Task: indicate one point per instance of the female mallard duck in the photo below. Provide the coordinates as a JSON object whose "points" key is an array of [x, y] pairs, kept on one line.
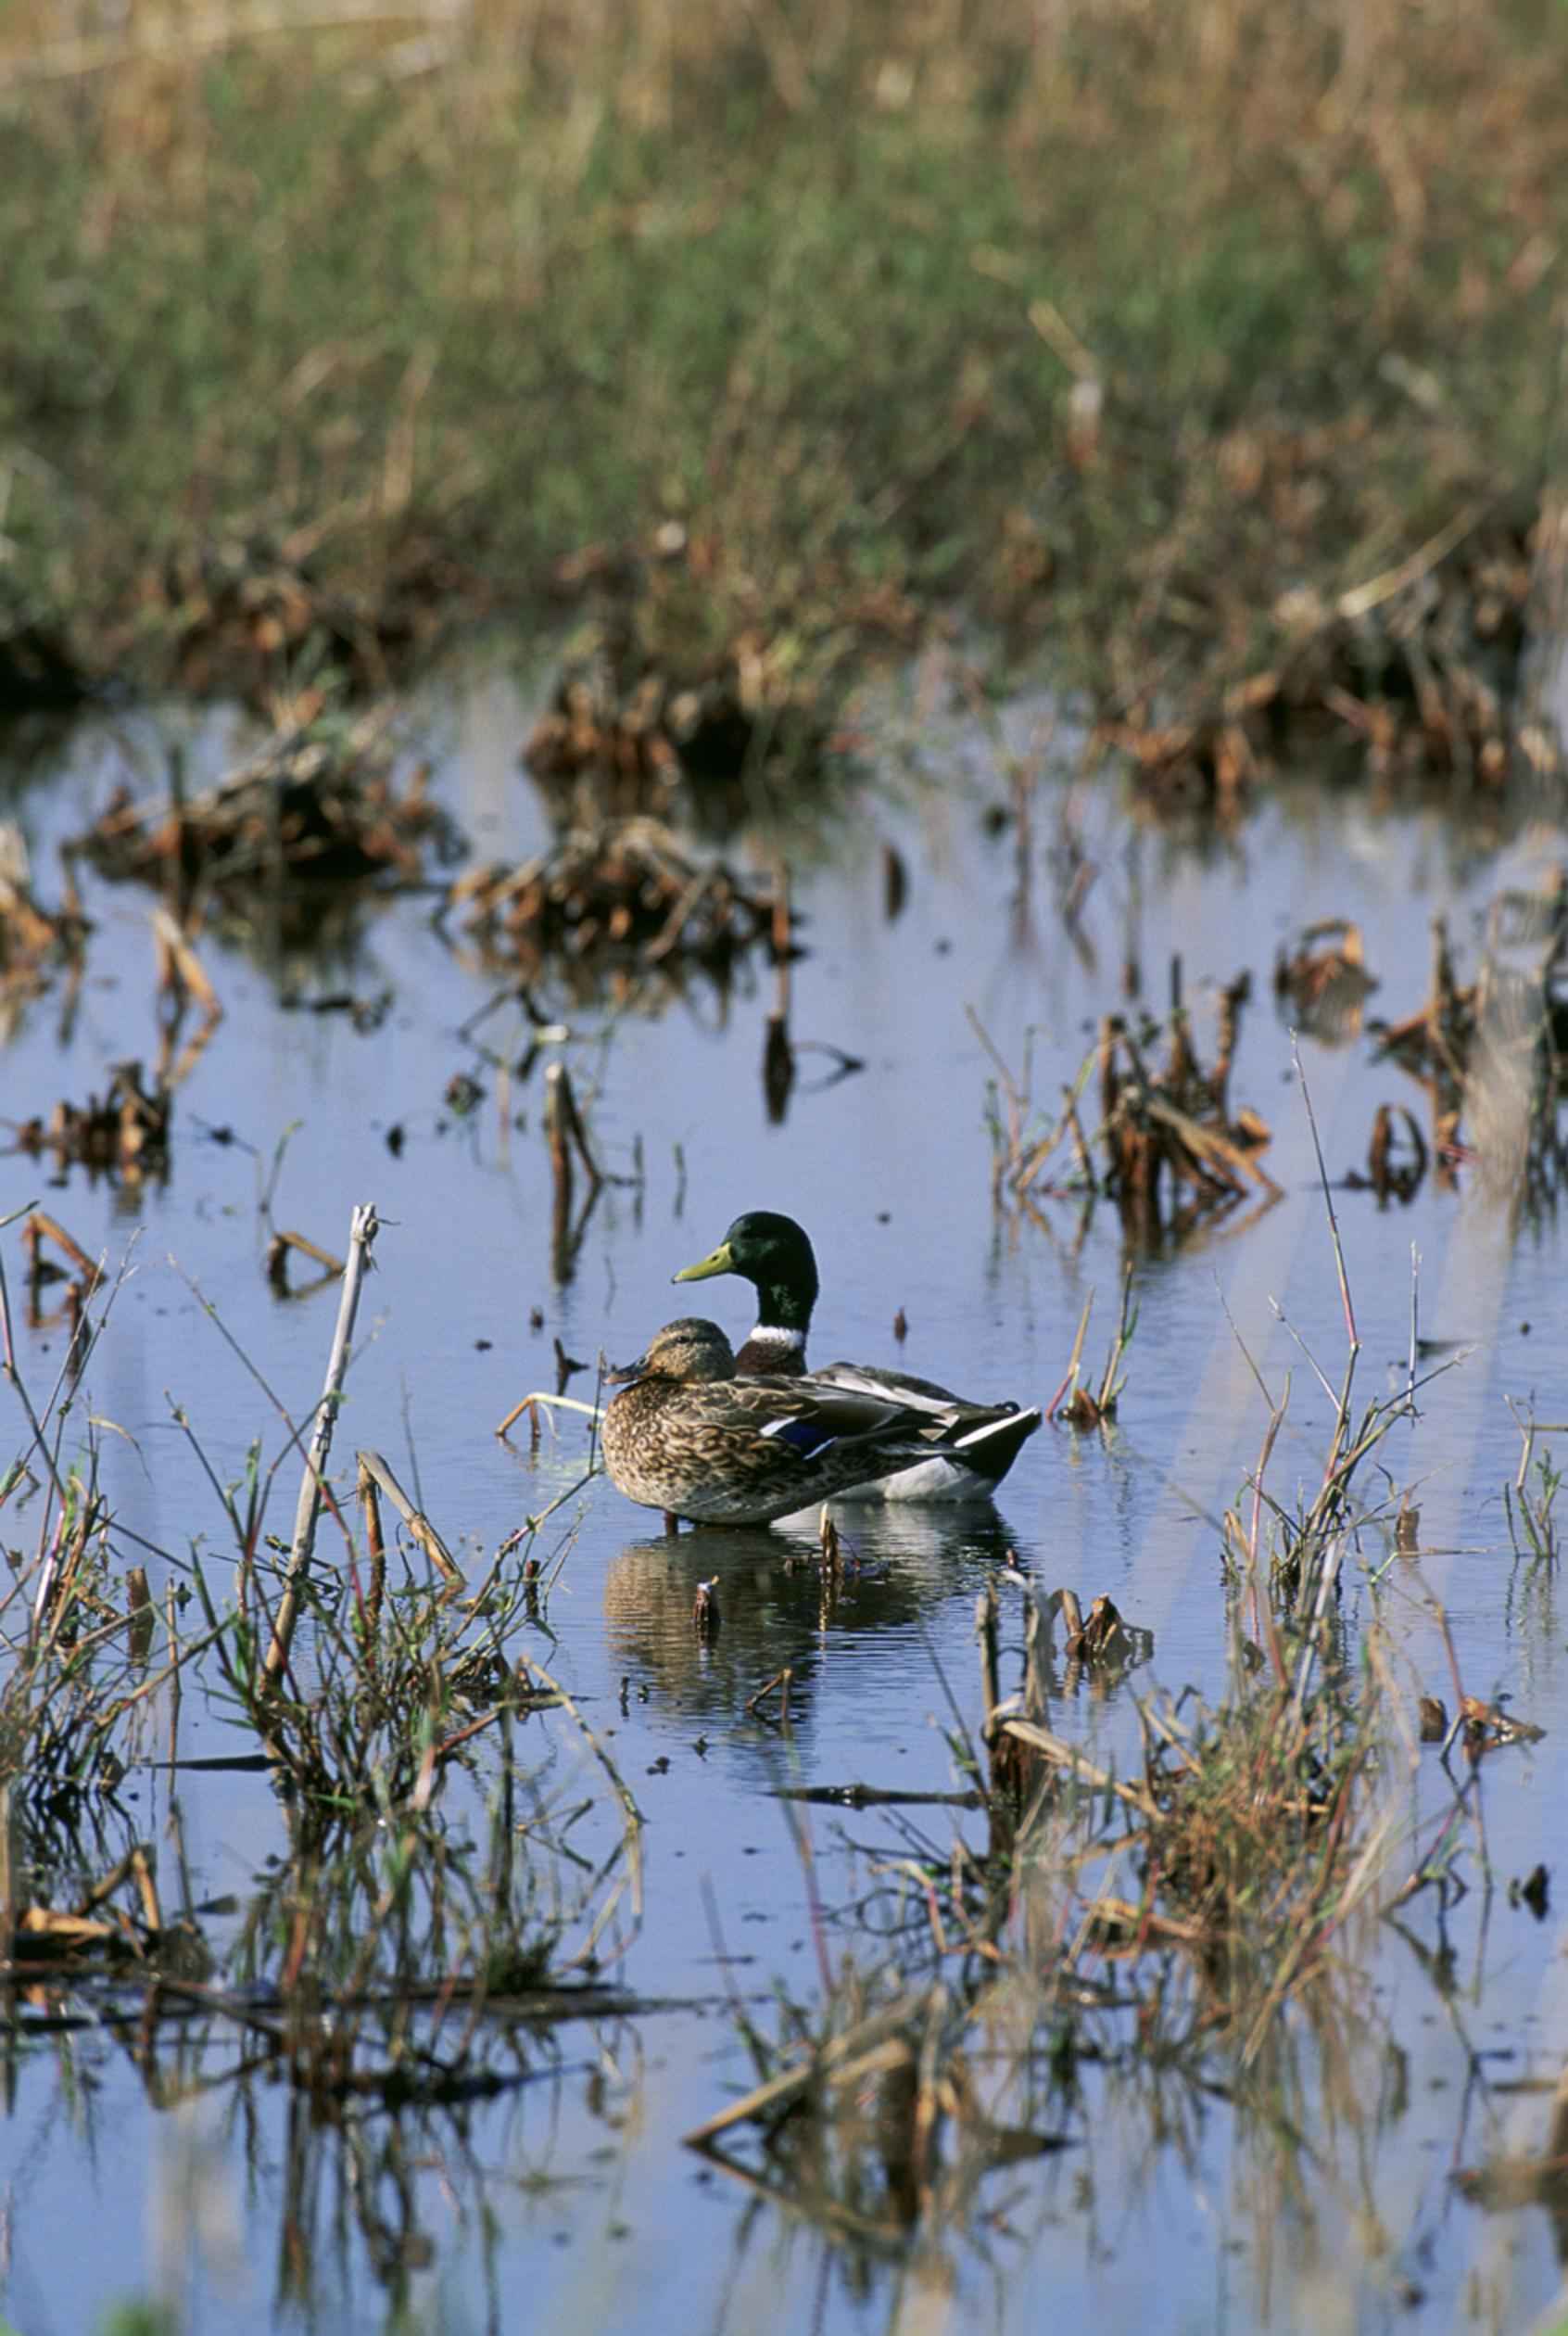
{"points": [[686, 1436], [980, 1440]]}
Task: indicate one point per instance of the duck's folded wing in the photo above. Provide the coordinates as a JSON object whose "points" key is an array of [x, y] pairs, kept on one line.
{"points": [[916, 1395], [813, 1412]]}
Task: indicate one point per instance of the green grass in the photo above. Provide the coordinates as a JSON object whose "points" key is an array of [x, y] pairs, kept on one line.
{"points": [[791, 297]]}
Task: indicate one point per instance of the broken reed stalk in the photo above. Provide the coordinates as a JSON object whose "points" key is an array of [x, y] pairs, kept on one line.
{"points": [[375, 1470], [838, 2060], [1077, 1765], [1015, 1769], [1127, 1322], [558, 1137], [1074, 1360], [363, 1227], [40, 1226], [140, 1614], [564, 1123], [375, 1544], [59, 1395], [172, 1631], [566, 1134], [180, 970], [554, 1402], [778, 1055], [987, 1622], [278, 1249], [782, 1681], [780, 940], [1037, 1656]]}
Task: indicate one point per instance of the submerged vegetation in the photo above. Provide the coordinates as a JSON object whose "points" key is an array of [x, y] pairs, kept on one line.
{"points": [[624, 904], [311, 815], [1216, 348], [402, 1951]]}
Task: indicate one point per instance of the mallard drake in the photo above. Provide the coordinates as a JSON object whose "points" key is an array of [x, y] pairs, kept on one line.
{"points": [[686, 1436], [980, 1440]]}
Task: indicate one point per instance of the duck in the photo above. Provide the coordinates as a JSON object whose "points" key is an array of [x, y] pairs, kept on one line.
{"points": [[979, 1441], [687, 1436]]}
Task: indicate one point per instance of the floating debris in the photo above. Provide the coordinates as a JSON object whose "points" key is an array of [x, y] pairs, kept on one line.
{"points": [[1100, 1643], [316, 808], [1324, 980], [126, 1134], [1486, 1727], [1534, 1891], [1397, 1163], [1170, 1126], [623, 896], [95, 1925]]}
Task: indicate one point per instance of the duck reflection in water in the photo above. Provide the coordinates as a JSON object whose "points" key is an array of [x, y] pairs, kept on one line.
{"points": [[779, 1601]]}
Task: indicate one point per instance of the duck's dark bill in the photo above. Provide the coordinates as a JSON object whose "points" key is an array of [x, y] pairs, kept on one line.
{"points": [[621, 1374], [705, 1268]]}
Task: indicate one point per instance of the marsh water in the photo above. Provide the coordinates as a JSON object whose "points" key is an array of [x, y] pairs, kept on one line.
{"points": [[567, 2198]]}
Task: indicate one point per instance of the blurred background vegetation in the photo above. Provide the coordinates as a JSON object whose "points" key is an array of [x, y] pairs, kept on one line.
{"points": [[1114, 323]]}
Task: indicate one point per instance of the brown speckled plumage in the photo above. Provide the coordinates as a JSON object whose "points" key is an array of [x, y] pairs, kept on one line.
{"points": [[687, 1437]]}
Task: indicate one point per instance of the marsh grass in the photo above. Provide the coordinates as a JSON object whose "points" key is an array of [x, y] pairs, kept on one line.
{"points": [[1124, 323], [450, 1886], [1134, 1946], [1530, 1502], [1097, 1947]]}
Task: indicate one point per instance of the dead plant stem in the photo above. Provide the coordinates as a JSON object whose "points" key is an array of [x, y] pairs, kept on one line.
{"points": [[363, 1227]]}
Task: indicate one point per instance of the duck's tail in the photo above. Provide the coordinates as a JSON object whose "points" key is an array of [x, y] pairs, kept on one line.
{"points": [[990, 1447], [967, 1464]]}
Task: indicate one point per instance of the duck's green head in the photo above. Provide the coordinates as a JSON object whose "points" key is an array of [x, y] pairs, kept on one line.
{"points": [[690, 1349], [772, 1253]]}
